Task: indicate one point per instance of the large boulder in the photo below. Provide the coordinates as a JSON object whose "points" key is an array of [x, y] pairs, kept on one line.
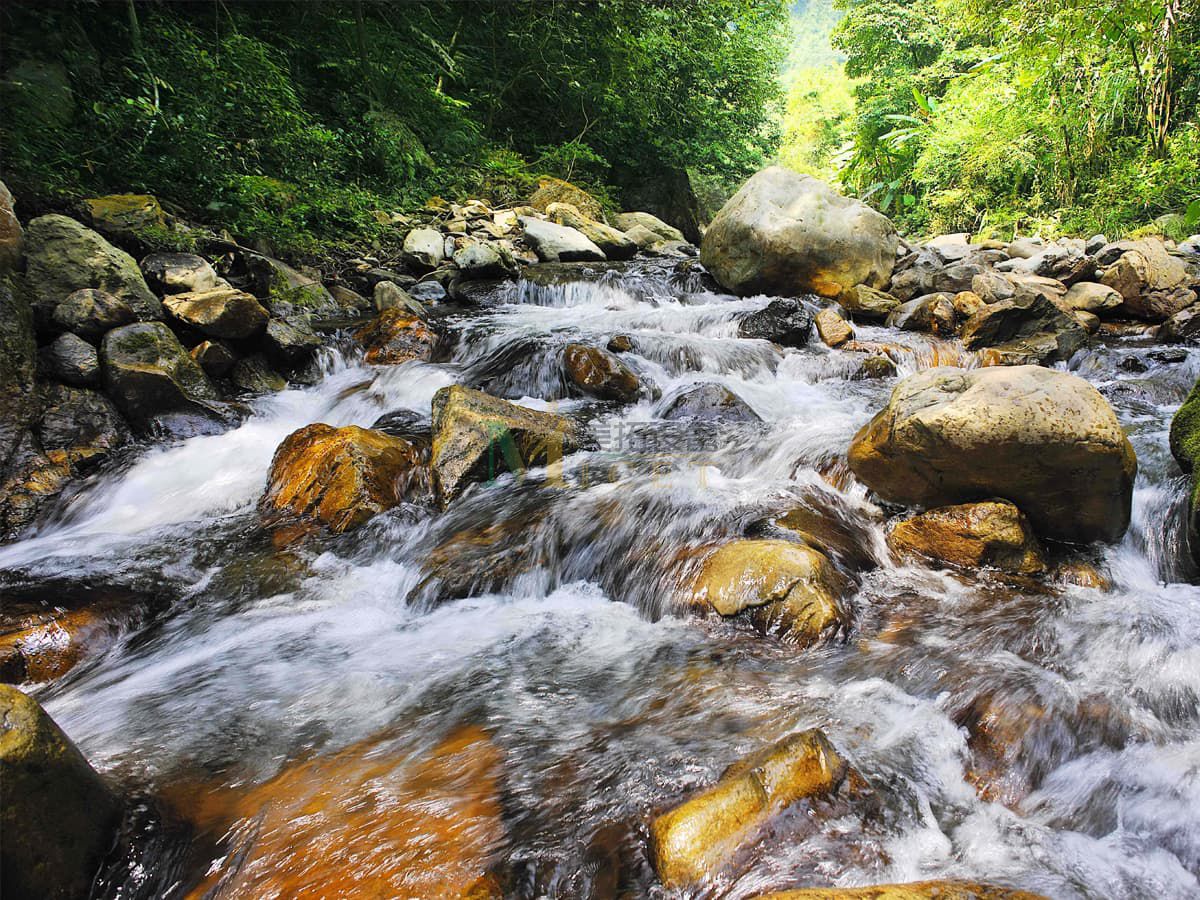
{"points": [[614, 244], [600, 374], [339, 477], [79, 427], [787, 322], [92, 313], [1152, 282], [153, 380], [58, 816], [179, 273], [63, 256], [1089, 296], [786, 233], [708, 402], [555, 190], [1185, 447], [971, 536], [1042, 439], [125, 215], [480, 259], [424, 248], [219, 313], [698, 838], [477, 437], [395, 336], [287, 291], [790, 589], [1022, 319], [628, 221], [559, 243]]}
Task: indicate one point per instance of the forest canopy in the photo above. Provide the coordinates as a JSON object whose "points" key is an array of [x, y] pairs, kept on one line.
{"points": [[293, 121]]}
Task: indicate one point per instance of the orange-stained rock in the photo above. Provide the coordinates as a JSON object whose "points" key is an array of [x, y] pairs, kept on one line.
{"points": [[1082, 574], [697, 838], [361, 823], [971, 536], [340, 477], [42, 646], [599, 373], [915, 890], [395, 336]]}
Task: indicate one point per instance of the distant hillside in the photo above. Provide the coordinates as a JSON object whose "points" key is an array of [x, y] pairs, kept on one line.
{"points": [[812, 23]]}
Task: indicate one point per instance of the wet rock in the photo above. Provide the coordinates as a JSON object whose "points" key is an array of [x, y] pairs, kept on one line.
{"points": [[216, 358], [148, 374], [698, 838], [791, 589], [180, 273], [58, 816], [255, 376], [428, 292], [476, 437], [877, 365], [339, 477], [28, 482], [71, 360], [629, 221], [992, 534], [12, 235], [1044, 440], [63, 256], [1183, 327], [786, 233], [40, 645], [1150, 280], [1024, 319], [1091, 297], [913, 890], [613, 243], [620, 343], [405, 423], [833, 329], [827, 526], [125, 214], [424, 248], [78, 427], [221, 313], [92, 313], [708, 402], [484, 260], [555, 190], [1185, 447], [364, 822], [286, 291], [558, 243], [290, 342], [1081, 573], [786, 322], [395, 337], [867, 303], [600, 374], [931, 313]]}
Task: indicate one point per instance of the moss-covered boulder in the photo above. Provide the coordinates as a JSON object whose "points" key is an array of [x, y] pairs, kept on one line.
{"points": [[339, 478], [57, 816], [63, 256], [699, 837], [150, 377], [126, 214], [477, 437], [1185, 447], [787, 588], [555, 190]]}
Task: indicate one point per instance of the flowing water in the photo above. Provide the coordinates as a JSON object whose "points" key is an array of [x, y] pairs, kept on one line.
{"points": [[548, 611]]}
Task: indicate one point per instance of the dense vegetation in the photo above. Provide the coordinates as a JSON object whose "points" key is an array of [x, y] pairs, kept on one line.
{"points": [[294, 122], [1005, 115]]}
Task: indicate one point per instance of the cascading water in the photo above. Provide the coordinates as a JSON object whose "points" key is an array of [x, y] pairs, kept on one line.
{"points": [[548, 612]]}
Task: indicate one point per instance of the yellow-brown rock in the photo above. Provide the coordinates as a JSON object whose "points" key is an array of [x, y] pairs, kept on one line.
{"points": [[833, 329], [42, 646], [971, 536], [339, 477], [600, 374], [363, 824], [790, 589], [697, 838], [395, 336], [915, 890], [967, 303], [555, 190], [1082, 574], [125, 213]]}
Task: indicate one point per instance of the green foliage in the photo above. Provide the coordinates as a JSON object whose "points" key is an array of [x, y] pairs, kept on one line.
{"points": [[294, 122]]}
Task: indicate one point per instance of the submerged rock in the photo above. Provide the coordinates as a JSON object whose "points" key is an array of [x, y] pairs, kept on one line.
{"points": [[477, 437], [699, 837], [58, 816], [339, 477], [1044, 440], [785, 322], [913, 890], [395, 336], [148, 374], [708, 402], [63, 256], [600, 374], [971, 536], [792, 589], [784, 233]]}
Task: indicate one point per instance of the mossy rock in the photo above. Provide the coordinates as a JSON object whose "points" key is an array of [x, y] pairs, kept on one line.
{"points": [[126, 214], [1185, 447]]}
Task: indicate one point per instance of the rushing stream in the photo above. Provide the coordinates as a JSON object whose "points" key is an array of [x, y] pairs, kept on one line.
{"points": [[548, 611]]}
